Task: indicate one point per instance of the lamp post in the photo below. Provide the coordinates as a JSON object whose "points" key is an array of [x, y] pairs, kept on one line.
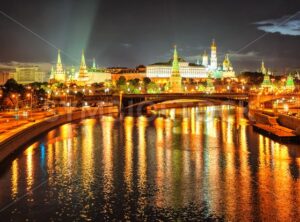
{"points": [[120, 104], [29, 96]]}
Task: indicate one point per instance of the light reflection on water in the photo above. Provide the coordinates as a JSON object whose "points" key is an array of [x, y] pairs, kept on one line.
{"points": [[185, 163]]}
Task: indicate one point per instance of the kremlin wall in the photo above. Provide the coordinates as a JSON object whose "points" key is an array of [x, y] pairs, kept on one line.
{"points": [[160, 71]]}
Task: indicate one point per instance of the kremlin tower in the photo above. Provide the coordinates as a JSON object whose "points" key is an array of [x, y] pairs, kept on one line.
{"points": [[290, 84], [83, 72], [175, 78], [266, 84], [58, 74]]}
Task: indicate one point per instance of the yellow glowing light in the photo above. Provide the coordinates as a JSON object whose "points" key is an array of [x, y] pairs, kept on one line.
{"points": [[14, 179], [286, 107]]}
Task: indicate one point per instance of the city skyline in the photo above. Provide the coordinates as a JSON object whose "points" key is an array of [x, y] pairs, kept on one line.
{"points": [[134, 34]]}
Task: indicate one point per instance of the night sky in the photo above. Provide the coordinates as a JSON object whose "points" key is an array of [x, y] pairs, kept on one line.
{"points": [[133, 32]]}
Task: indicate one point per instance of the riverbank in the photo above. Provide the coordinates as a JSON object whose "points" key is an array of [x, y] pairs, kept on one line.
{"points": [[13, 139], [279, 127]]}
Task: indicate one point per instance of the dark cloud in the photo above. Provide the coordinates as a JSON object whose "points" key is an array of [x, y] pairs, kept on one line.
{"points": [[287, 25]]}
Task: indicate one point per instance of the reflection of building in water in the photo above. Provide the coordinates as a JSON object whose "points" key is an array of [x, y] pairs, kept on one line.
{"points": [[88, 132], [128, 125], [30, 167], [160, 159], [14, 179], [107, 158], [142, 164]]}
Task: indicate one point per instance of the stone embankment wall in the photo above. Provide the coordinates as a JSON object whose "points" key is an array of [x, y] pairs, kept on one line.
{"points": [[290, 122], [265, 119]]}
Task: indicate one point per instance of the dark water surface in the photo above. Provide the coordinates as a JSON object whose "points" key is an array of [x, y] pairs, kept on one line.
{"points": [[185, 164]]}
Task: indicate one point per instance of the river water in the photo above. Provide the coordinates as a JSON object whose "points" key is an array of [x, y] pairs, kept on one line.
{"points": [[200, 163]]}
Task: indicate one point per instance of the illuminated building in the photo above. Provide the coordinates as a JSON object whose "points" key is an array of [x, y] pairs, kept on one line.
{"points": [[5, 75], [210, 84], [205, 59], [227, 71], [28, 74], [161, 72], [213, 56], [98, 75], [137, 73], [71, 73], [290, 85], [266, 84], [83, 75], [175, 78], [58, 74]]}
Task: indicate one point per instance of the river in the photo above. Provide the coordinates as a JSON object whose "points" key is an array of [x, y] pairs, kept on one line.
{"points": [[199, 163]]}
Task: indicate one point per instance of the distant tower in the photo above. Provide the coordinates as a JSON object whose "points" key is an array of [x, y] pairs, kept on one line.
{"points": [[227, 64], [59, 73], [266, 84], [205, 59], [290, 84], [213, 56], [94, 64], [263, 68], [175, 78], [51, 73], [209, 84], [83, 72]]}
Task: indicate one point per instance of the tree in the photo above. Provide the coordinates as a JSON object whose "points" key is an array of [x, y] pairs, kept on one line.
{"points": [[121, 81], [146, 81], [134, 82], [153, 88]]}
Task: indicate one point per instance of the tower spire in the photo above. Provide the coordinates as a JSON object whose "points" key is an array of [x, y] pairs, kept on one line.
{"points": [[175, 64], [83, 73], [58, 58], [213, 56], [213, 43], [263, 68], [94, 63], [82, 64]]}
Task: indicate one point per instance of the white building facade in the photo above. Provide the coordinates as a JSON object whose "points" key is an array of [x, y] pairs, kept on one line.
{"points": [[191, 70], [186, 70]]}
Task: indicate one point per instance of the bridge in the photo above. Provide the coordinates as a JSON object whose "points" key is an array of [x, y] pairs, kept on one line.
{"points": [[141, 101], [256, 100]]}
